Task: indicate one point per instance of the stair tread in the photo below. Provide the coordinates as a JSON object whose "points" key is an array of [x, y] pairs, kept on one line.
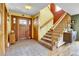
{"points": [[46, 43], [51, 29], [55, 37], [45, 38], [59, 29], [57, 34], [48, 35], [49, 32]]}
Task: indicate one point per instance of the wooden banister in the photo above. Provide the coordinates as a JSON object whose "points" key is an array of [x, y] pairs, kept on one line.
{"points": [[60, 19]]}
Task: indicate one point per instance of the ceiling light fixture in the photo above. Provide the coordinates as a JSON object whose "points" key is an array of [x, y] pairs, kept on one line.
{"points": [[28, 7]]}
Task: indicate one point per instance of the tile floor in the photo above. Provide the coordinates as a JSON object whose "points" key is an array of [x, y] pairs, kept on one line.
{"points": [[32, 48], [27, 48]]}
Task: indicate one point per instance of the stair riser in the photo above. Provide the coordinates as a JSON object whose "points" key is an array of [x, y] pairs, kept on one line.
{"points": [[48, 41], [48, 37], [47, 46], [59, 29], [55, 34], [58, 32], [48, 33], [55, 39]]}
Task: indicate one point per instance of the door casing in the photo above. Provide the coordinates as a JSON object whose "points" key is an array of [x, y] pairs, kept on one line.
{"points": [[16, 27]]}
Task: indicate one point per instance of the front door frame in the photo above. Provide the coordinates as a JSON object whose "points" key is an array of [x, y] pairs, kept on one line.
{"points": [[17, 25]]}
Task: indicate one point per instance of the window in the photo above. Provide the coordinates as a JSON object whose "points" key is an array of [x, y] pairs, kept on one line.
{"points": [[23, 22]]}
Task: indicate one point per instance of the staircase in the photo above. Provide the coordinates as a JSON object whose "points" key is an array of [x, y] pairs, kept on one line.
{"points": [[51, 37], [46, 40]]}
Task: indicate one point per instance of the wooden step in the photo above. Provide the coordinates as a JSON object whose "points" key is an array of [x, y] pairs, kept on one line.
{"points": [[58, 32], [49, 33], [60, 26], [59, 29], [46, 44], [48, 36], [55, 34], [55, 38], [51, 29], [47, 39]]}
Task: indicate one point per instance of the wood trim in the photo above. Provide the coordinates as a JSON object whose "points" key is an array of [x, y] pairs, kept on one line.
{"points": [[17, 18], [1, 8], [20, 17], [31, 29], [5, 26], [36, 28], [45, 23], [1, 19], [19, 14], [2, 43]]}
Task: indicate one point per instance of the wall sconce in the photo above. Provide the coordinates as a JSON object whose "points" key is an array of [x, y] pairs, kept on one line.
{"points": [[73, 21], [14, 20]]}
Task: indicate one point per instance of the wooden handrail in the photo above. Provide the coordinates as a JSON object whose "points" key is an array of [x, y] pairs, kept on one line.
{"points": [[45, 23], [60, 19]]}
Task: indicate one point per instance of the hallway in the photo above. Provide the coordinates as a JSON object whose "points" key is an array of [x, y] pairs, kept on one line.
{"points": [[44, 24], [32, 48], [27, 48]]}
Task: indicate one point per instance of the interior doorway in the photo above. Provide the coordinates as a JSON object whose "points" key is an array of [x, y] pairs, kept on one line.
{"points": [[21, 27], [24, 29]]}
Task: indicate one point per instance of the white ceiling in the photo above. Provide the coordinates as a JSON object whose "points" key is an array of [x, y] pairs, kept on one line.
{"points": [[71, 8], [20, 7]]}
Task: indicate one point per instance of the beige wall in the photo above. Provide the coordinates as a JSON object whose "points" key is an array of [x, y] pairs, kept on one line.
{"points": [[45, 16], [46, 28]]}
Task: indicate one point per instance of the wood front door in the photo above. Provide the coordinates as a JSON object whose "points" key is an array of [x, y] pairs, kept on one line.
{"points": [[23, 29]]}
